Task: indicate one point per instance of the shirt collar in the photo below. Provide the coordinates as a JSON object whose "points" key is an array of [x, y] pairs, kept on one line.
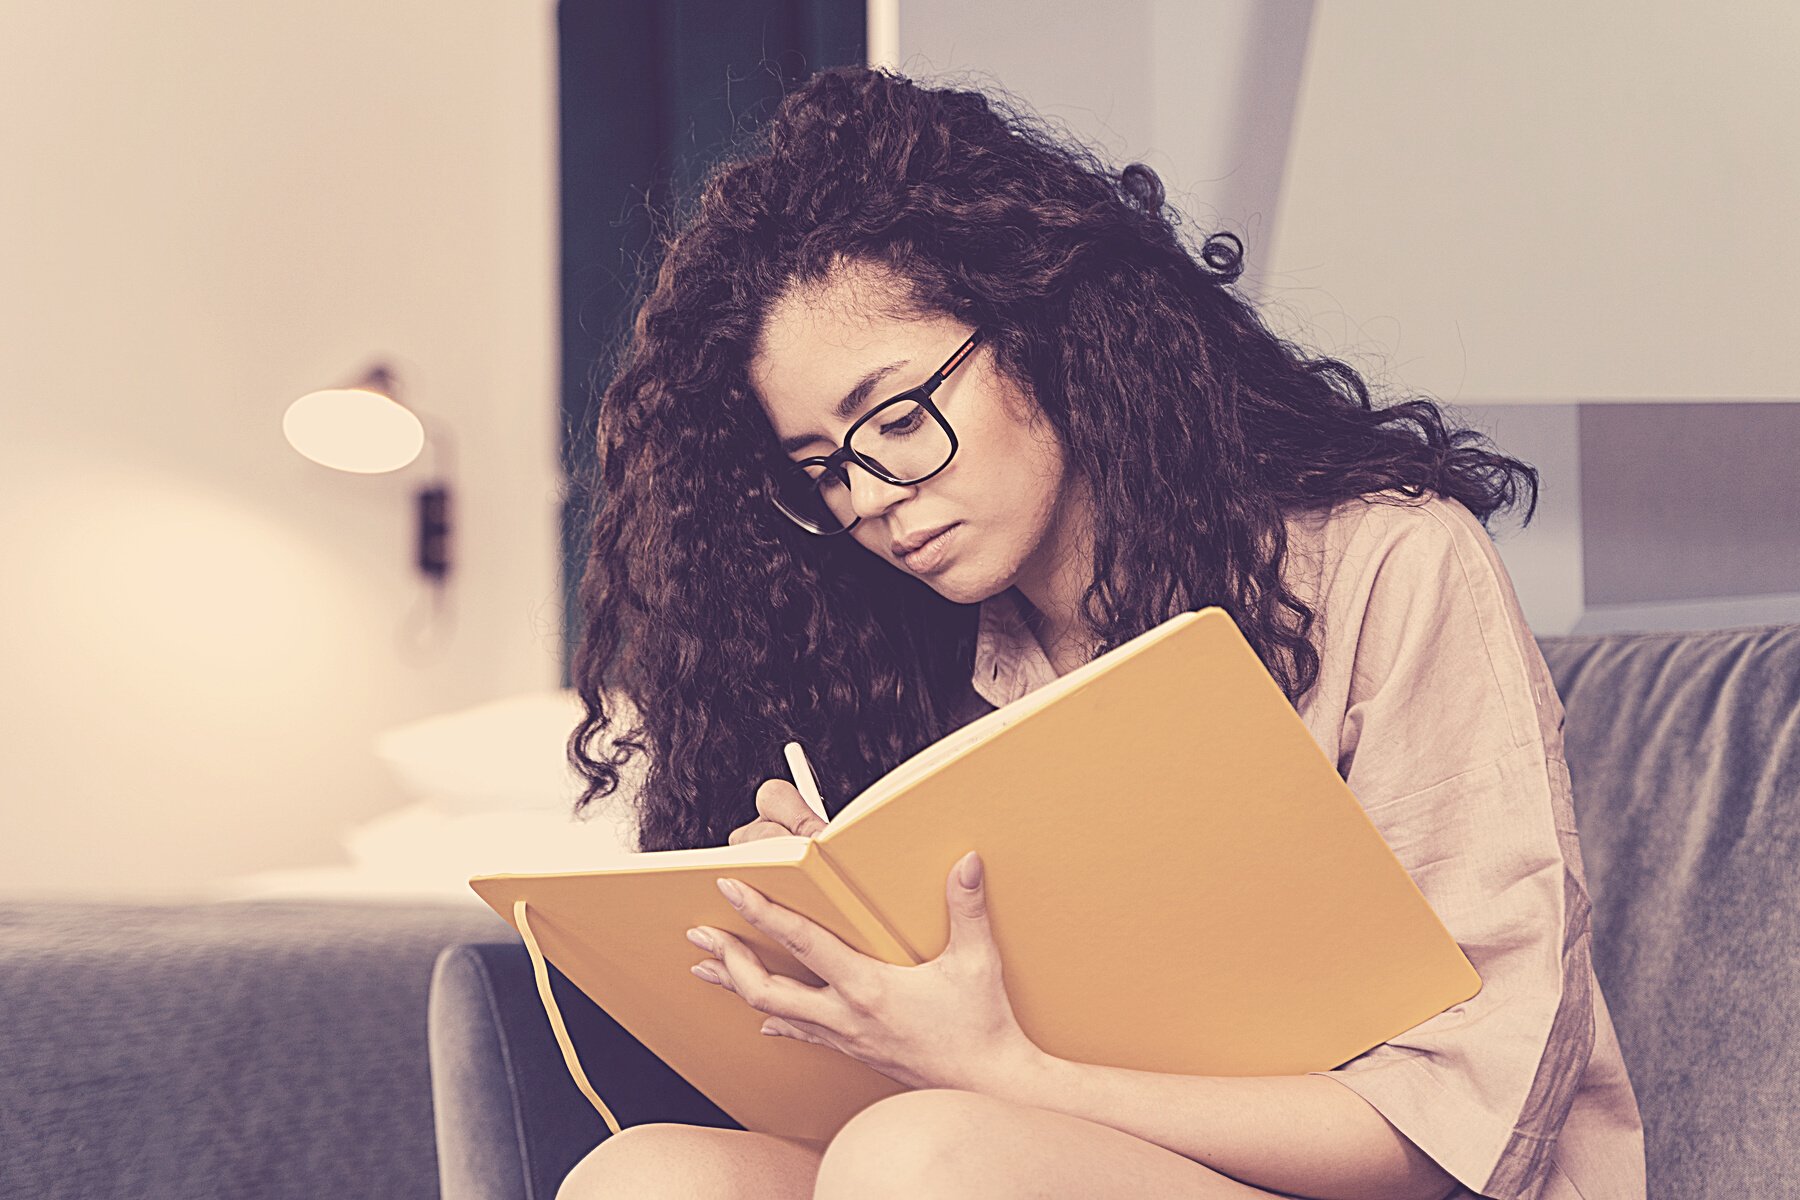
{"points": [[1009, 660]]}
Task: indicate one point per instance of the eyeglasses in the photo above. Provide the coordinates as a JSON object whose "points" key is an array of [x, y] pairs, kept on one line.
{"points": [[904, 441]]}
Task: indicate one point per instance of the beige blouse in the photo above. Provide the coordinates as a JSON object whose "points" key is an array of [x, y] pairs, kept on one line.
{"points": [[1438, 708]]}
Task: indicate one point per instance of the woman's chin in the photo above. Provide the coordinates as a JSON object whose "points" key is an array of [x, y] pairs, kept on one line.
{"points": [[948, 585]]}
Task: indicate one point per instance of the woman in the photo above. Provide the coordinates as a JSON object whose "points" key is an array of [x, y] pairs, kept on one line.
{"points": [[927, 408]]}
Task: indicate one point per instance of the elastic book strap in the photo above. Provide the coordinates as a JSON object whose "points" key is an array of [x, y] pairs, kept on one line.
{"points": [[542, 972]]}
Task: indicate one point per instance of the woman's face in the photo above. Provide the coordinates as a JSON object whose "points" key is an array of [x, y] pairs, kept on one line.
{"points": [[1003, 493]]}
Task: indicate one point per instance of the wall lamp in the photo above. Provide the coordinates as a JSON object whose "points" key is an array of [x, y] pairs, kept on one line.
{"points": [[367, 429]]}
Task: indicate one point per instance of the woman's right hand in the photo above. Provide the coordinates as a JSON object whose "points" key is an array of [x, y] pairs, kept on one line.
{"points": [[783, 813]]}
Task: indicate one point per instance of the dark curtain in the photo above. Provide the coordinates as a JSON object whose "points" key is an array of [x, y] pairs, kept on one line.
{"points": [[651, 94]]}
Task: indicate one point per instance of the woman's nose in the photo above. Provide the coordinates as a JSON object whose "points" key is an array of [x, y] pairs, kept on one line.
{"points": [[870, 494]]}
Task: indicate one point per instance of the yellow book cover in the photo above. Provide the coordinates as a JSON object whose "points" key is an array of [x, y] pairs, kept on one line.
{"points": [[1177, 877]]}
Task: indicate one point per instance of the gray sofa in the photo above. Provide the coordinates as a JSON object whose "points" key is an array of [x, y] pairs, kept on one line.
{"points": [[1685, 753], [256, 1050]]}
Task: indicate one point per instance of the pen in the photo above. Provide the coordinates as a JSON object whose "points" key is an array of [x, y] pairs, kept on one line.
{"points": [[803, 779]]}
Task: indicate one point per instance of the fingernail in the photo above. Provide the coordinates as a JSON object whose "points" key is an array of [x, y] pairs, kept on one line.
{"points": [[701, 939], [705, 971], [971, 870], [732, 893]]}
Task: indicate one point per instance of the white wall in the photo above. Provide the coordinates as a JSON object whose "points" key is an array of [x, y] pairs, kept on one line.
{"points": [[210, 209], [1550, 202], [1076, 63]]}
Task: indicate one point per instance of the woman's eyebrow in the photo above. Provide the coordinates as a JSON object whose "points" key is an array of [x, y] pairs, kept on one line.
{"points": [[853, 400]]}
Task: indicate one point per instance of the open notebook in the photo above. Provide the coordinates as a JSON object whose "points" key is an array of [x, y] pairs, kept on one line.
{"points": [[1177, 877]]}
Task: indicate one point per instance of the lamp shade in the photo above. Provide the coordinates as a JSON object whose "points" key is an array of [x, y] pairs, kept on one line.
{"points": [[354, 429]]}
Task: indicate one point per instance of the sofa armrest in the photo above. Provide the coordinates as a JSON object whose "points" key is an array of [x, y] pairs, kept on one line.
{"points": [[510, 1121]]}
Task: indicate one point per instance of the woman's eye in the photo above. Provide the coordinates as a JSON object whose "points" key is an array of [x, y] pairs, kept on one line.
{"points": [[906, 424], [826, 479]]}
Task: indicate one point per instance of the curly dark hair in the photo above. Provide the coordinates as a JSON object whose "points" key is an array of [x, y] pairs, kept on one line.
{"points": [[730, 631]]}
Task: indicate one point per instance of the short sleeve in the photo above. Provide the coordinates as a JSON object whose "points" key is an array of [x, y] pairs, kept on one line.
{"points": [[1451, 744]]}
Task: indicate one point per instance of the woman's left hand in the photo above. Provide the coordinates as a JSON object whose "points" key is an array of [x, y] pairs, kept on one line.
{"points": [[944, 1023]]}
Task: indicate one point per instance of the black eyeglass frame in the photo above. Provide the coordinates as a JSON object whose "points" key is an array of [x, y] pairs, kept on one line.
{"points": [[844, 455]]}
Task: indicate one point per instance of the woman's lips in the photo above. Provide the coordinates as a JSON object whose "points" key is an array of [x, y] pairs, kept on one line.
{"points": [[932, 554]]}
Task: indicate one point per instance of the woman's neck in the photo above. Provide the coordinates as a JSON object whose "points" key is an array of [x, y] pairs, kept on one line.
{"points": [[1066, 649], [1053, 592]]}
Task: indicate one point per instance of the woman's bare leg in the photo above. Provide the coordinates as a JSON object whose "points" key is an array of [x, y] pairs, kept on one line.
{"points": [[935, 1142], [689, 1162], [950, 1144]]}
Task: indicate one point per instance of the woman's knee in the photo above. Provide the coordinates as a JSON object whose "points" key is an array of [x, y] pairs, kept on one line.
{"points": [[641, 1160], [672, 1159], [909, 1144]]}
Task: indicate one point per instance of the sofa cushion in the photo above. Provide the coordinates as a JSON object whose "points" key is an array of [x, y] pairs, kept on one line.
{"points": [[1684, 749], [263, 1050]]}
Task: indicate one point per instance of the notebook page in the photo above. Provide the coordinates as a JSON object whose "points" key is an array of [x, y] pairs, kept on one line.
{"points": [[988, 724], [773, 851]]}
